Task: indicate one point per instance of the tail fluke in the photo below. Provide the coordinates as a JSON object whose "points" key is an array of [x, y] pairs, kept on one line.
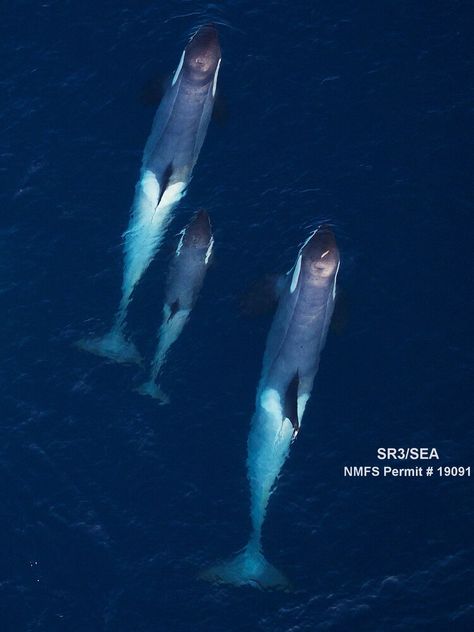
{"points": [[248, 568], [152, 389], [114, 346]]}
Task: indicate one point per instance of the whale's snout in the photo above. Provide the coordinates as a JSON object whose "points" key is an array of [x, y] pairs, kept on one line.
{"points": [[320, 255], [203, 54], [199, 232]]}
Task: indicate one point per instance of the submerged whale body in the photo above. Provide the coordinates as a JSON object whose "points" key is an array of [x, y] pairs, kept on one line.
{"points": [[186, 276], [172, 149], [291, 360]]}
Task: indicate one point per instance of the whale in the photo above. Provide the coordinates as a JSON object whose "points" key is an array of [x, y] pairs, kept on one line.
{"points": [[170, 154], [187, 270], [290, 364]]}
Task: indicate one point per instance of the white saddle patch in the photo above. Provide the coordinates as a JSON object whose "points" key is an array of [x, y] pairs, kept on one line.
{"points": [[301, 405], [270, 401], [150, 187], [173, 194]]}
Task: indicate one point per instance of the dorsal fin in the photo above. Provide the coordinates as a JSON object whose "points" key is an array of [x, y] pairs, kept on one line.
{"points": [[290, 410], [165, 180], [174, 307]]}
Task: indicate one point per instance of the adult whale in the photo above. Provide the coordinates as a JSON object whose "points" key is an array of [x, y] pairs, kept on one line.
{"points": [[290, 364], [170, 154], [186, 276]]}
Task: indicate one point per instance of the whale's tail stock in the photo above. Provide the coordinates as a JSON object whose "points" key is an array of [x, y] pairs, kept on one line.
{"points": [[248, 568], [152, 389]]}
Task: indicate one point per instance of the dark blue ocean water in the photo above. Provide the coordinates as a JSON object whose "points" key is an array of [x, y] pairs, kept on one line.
{"points": [[358, 113]]}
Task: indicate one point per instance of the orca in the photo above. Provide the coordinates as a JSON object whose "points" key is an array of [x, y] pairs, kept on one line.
{"points": [[290, 364], [172, 149], [186, 276]]}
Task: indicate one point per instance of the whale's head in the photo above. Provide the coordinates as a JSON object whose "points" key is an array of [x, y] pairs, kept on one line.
{"points": [[198, 233], [202, 56], [320, 257]]}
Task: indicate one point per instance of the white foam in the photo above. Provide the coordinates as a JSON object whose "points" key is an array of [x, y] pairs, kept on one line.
{"points": [[296, 275], [181, 241], [309, 239], [209, 251], [178, 69], [335, 280], [214, 84]]}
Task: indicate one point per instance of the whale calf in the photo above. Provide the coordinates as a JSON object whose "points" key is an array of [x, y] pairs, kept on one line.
{"points": [[291, 360], [172, 149], [186, 276]]}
